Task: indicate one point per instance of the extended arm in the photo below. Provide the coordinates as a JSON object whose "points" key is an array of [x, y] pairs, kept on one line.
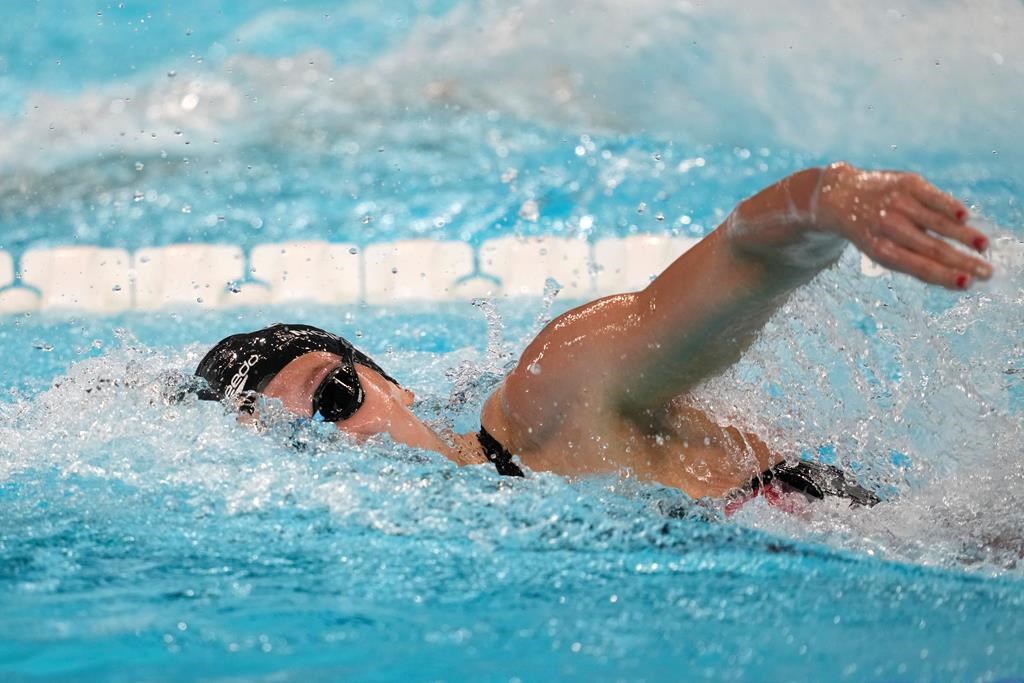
{"points": [[632, 353]]}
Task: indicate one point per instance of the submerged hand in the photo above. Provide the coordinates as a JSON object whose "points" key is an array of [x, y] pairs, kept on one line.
{"points": [[902, 222]]}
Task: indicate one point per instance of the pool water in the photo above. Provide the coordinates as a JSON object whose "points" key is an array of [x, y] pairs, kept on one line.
{"points": [[147, 539]]}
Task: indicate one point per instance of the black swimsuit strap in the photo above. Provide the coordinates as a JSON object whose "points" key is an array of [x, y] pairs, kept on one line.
{"points": [[498, 455], [817, 480]]}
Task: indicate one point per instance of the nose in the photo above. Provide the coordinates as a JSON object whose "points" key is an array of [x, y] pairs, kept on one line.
{"points": [[407, 397]]}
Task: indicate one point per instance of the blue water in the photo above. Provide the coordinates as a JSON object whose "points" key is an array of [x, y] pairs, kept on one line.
{"points": [[142, 539]]}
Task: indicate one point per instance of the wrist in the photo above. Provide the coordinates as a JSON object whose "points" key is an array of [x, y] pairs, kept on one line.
{"points": [[791, 223], [828, 195]]}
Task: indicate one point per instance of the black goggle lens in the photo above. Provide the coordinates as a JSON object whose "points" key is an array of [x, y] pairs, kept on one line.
{"points": [[339, 396]]}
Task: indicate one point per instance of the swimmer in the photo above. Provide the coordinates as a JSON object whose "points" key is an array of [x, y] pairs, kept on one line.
{"points": [[604, 387]]}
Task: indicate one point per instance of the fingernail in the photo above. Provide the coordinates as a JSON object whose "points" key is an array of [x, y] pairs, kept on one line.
{"points": [[980, 243], [961, 214], [983, 270], [961, 281]]}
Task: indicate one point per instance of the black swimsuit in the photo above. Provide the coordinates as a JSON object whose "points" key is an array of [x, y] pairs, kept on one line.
{"points": [[813, 479], [498, 455]]}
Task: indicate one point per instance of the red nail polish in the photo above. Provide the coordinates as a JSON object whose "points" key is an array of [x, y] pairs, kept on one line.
{"points": [[961, 215], [980, 243], [961, 281]]}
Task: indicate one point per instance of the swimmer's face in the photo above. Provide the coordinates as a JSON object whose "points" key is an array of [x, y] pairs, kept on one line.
{"points": [[385, 407]]}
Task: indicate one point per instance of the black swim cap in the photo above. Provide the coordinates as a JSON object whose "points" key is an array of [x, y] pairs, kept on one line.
{"points": [[245, 363]]}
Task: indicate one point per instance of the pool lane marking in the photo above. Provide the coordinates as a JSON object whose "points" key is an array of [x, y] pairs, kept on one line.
{"points": [[213, 276]]}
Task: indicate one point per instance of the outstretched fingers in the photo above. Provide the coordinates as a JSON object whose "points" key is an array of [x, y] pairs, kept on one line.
{"points": [[894, 256], [927, 217], [909, 234]]}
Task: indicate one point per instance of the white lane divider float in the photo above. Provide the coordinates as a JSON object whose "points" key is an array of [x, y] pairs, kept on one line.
{"points": [[212, 276]]}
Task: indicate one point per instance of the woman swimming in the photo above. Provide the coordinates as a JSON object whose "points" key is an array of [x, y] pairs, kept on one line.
{"points": [[604, 387]]}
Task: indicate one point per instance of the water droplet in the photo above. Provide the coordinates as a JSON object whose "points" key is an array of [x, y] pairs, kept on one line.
{"points": [[234, 287], [172, 73], [186, 209], [367, 219], [42, 346], [657, 156], [353, 251], [116, 288], [529, 211], [534, 369], [641, 207], [138, 196], [394, 270], [659, 216], [139, 166]]}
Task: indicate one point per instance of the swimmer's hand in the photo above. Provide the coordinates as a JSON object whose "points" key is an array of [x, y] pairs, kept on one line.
{"points": [[900, 220]]}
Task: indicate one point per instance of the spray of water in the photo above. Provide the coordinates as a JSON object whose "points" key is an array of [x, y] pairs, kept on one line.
{"points": [[725, 72], [914, 389]]}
